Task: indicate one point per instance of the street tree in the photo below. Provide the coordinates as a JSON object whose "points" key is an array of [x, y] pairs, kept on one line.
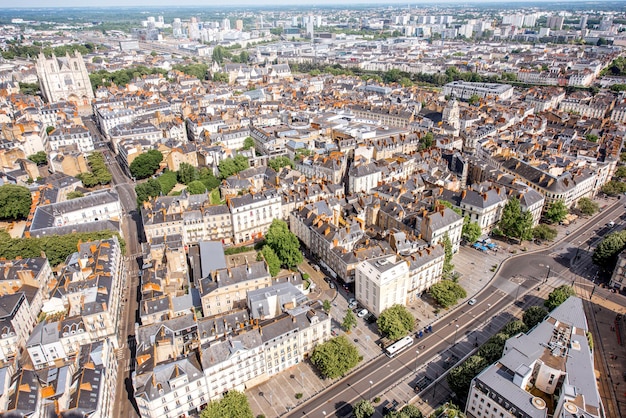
{"points": [[411, 411], [446, 293], [471, 230], [587, 206], [448, 267], [326, 306], [556, 212], [284, 243], [544, 232], [363, 409], [335, 357], [534, 315], [514, 222], [196, 187], [208, 178], [349, 321], [620, 172], [15, 202], [613, 188], [233, 405], [395, 322], [605, 254], [146, 164], [187, 173], [99, 168], [426, 141], [273, 263], [460, 378], [558, 296]]}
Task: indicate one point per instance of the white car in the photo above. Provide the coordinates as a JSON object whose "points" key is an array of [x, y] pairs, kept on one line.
{"points": [[471, 301], [352, 305], [362, 313]]}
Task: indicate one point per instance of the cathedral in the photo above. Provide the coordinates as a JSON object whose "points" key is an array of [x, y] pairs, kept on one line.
{"points": [[65, 78]]}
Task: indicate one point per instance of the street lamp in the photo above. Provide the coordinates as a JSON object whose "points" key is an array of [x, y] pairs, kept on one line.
{"points": [[370, 394], [455, 332], [417, 353]]}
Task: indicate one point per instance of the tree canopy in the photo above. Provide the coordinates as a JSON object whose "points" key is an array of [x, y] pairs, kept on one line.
{"points": [[187, 173], [147, 190], [613, 188], [233, 405], [558, 296], [349, 321], [544, 232], [534, 315], [15, 202], [39, 158], [335, 357], [446, 293], [284, 243], [448, 254], [556, 212], [271, 259], [471, 230], [167, 180], [196, 187], [363, 409], [605, 254], [146, 164], [248, 143], [395, 322], [99, 174], [514, 222], [587, 206], [280, 162], [229, 166]]}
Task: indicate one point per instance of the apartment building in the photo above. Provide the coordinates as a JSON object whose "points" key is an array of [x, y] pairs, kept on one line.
{"points": [[68, 136], [363, 177], [547, 372], [464, 90], [382, 282], [252, 214]]}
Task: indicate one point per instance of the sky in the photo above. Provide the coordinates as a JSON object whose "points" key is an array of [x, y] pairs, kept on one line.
{"points": [[152, 3]]}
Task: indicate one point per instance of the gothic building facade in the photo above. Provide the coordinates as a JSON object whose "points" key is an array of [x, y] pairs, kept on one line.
{"points": [[65, 78]]}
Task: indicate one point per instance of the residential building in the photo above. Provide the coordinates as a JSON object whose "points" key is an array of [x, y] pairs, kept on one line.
{"points": [[465, 89], [252, 214], [381, 283], [547, 372]]}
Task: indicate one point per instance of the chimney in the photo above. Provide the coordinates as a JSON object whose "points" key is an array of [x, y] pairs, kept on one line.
{"points": [[484, 196], [463, 194]]}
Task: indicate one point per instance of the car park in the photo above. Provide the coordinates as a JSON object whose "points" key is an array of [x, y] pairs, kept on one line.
{"points": [[362, 313]]}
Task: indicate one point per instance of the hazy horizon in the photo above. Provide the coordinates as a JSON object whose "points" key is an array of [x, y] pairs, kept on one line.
{"points": [[25, 4]]}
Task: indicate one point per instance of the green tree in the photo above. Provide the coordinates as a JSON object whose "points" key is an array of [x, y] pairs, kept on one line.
{"points": [[146, 164], [284, 243], [474, 98], [446, 293], [558, 296], [544, 232], [248, 143], [448, 267], [460, 378], [363, 409], [196, 187], [39, 158], [471, 230], [591, 137], [605, 254], [326, 305], [218, 54], [349, 321], [167, 180], [233, 405], [74, 195], [620, 172], [98, 168], [88, 179], [534, 315], [271, 259], [556, 212], [426, 141], [279, 162], [587, 206], [15, 202], [335, 357], [207, 177], [230, 166], [187, 173], [613, 188], [515, 223], [220, 77], [411, 411], [395, 322], [145, 191]]}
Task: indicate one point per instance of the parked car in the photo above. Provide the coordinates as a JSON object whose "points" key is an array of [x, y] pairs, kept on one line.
{"points": [[362, 313], [351, 300], [352, 305]]}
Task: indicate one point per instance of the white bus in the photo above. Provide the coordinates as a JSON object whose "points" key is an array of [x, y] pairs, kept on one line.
{"points": [[398, 346]]}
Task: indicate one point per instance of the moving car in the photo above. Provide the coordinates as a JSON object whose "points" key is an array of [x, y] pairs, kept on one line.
{"points": [[472, 301]]}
